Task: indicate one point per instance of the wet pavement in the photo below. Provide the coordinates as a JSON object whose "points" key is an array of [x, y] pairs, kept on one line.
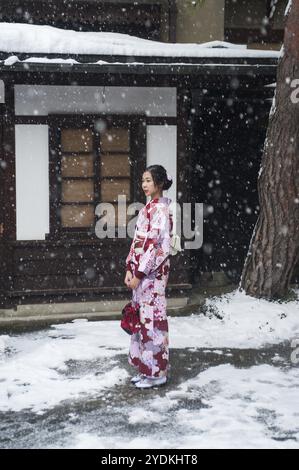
{"points": [[110, 415]]}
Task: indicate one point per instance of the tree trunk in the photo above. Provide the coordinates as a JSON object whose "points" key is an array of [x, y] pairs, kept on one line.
{"points": [[274, 247]]}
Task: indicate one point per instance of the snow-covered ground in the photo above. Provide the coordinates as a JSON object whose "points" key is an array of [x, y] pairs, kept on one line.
{"points": [[234, 383]]}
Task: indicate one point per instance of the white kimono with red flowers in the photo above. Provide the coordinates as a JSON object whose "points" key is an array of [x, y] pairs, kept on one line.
{"points": [[148, 260]]}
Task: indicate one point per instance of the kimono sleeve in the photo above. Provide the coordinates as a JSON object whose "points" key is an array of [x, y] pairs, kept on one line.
{"points": [[129, 257], [157, 242], [138, 240]]}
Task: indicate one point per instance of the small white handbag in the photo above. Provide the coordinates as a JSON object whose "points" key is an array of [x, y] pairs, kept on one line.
{"points": [[175, 244]]}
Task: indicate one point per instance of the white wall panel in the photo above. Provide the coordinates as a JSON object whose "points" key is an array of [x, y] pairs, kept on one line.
{"points": [[40, 100], [32, 181]]}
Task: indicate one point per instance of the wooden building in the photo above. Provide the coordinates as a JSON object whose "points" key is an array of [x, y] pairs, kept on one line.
{"points": [[79, 128]]}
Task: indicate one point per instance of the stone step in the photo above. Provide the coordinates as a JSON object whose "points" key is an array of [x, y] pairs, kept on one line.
{"points": [[45, 314]]}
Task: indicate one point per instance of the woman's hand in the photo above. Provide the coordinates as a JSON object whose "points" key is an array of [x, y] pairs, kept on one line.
{"points": [[134, 283], [128, 278]]}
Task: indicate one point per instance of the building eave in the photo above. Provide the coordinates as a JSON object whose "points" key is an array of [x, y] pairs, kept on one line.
{"points": [[138, 66]]}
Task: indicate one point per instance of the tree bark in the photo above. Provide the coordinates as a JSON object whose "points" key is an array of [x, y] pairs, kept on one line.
{"points": [[274, 247]]}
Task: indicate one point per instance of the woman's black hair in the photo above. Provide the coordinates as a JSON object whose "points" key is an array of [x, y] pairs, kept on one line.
{"points": [[160, 177]]}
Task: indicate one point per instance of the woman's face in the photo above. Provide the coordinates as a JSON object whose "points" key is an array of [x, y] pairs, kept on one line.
{"points": [[148, 185]]}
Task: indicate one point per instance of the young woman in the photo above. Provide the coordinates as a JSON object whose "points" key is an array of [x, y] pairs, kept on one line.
{"points": [[147, 274]]}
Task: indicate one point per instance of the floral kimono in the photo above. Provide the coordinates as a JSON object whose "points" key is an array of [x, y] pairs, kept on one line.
{"points": [[148, 260]]}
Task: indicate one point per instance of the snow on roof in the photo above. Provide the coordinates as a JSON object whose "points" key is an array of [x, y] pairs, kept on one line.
{"points": [[27, 38]]}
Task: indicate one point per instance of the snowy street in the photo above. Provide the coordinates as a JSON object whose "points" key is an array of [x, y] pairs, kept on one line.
{"points": [[234, 383]]}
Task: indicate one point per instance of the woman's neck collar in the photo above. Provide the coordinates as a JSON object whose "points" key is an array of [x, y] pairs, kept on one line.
{"points": [[157, 196], [159, 199]]}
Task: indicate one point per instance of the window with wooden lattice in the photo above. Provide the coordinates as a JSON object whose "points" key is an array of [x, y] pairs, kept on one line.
{"points": [[93, 162]]}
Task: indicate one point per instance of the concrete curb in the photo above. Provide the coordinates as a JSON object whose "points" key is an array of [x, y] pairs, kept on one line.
{"points": [[32, 317]]}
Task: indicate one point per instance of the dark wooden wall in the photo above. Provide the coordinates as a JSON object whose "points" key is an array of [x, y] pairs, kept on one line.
{"points": [[139, 19], [228, 135], [250, 22], [61, 271], [2, 165]]}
